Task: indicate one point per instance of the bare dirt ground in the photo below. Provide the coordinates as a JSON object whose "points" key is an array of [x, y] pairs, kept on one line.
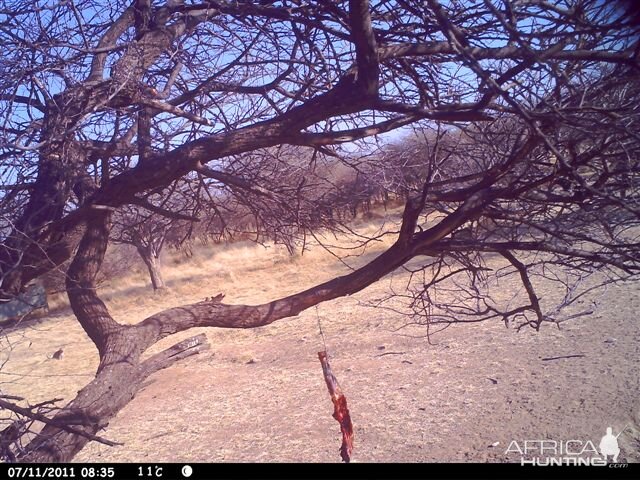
{"points": [[259, 395]]}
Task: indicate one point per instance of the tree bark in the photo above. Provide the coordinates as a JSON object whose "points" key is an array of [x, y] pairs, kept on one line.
{"points": [[120, 372], [115, 385], [152, 261]]}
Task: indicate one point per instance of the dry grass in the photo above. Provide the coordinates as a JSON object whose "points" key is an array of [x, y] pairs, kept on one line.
{"points": [[258, 395]]}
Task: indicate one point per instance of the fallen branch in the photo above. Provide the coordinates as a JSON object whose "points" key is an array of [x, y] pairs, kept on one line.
{"points": [[41, 418], [546, 359], [12, 397], [186, 348]]}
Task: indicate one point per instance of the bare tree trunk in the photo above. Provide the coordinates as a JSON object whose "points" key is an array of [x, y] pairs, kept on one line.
{"points": [[152, 261], [120, 372], [156, 275]]}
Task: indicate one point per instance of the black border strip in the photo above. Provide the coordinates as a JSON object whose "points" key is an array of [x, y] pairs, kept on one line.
{"points": [[248, 471]]}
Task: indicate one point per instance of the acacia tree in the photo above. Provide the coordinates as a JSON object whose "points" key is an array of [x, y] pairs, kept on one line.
{"points": [[149, 226], [105, 103], [286, 193], [298, 200], [148, 234]]}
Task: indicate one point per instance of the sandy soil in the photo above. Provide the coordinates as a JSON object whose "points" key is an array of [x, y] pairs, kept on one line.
{"points": [[259, 395]]}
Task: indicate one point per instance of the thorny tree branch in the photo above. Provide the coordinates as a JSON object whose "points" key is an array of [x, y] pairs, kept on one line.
{"points": [[194, 108]]}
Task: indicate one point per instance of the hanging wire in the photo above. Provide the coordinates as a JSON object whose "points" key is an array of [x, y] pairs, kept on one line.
{"points": [[324, 343]]}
